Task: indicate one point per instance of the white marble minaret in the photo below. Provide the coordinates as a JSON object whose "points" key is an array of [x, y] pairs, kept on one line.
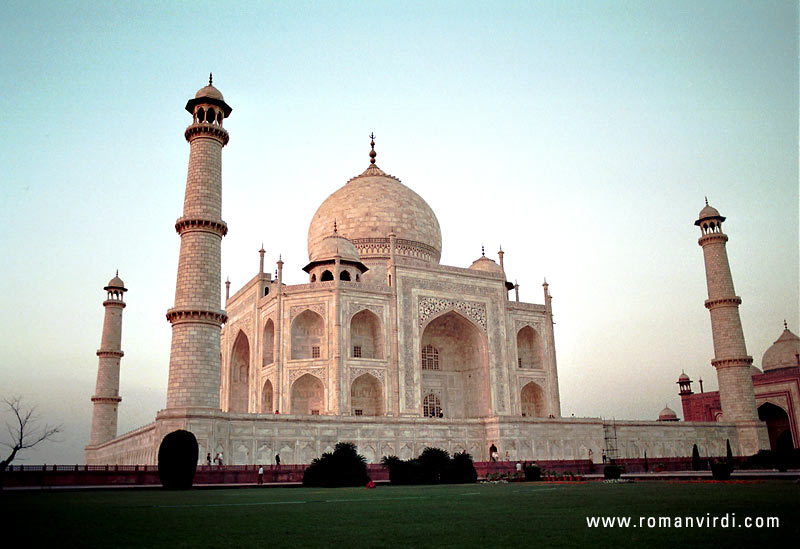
{"points": [[196, 318], [106, 397], [730, 354]]}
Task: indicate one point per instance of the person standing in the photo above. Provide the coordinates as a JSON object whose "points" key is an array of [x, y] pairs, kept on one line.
{"points": [[493, 452], [208, 459], [277, 461], [260, 475]]}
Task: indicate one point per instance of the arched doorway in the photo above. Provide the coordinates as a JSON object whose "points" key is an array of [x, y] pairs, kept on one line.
{"points": [[366, 336], [239, 374], [462, 377], [308, 330], [777, 426], [529, 348], [366, 396], [266, 398], [308, 396], [533, 401]]}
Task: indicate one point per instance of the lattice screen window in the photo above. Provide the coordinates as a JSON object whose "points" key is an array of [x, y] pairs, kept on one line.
{"points": [[315, 351], [431, 406], [430, 358], [519, 362], [314, 412], [359, 412], [357, 351]]}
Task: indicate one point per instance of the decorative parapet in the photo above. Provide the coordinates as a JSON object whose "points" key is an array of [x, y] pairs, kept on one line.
{"points": [[211, 130], [189, 224], [178, 316]]}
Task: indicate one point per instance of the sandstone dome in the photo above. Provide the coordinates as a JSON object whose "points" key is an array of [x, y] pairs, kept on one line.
{"points": [[333, 245], [115, 282], [210, 92], [683, 377], [783, 353], [367, 209]]}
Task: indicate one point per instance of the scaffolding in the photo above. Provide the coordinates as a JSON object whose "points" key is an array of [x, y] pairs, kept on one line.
{"points": [[610, 432]]}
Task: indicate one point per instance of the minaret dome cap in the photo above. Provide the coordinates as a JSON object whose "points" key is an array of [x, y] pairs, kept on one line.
{"points": [[708, 212], [211, 95], [116, 283]]}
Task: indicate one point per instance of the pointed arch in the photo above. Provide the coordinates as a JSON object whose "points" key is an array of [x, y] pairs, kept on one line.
{"points": [[239, 374], [366, 396], [529, 348], [268, 352], [532, 400], [308, 396], [778, 425], [366, 335], [462, 381], [266, 397], [308, 331]]}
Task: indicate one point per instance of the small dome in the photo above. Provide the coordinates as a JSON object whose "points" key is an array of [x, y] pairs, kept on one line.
{"points": [[115, 283], [483, 263], [209, 92], [333, 245], [707, 212], [783, 353], [667, 414], [683, 377]]}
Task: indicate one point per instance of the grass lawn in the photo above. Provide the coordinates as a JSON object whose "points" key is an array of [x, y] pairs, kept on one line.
{"points": [[495, 516]]}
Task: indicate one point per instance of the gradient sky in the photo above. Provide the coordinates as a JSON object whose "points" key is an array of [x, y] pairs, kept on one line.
{"points": [[580, 136]]}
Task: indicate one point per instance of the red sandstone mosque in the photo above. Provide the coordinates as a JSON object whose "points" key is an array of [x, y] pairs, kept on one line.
{"points": [[389, 349]]}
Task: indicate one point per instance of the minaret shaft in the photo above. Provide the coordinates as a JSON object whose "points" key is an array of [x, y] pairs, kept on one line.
{"points": [[196, 318]]}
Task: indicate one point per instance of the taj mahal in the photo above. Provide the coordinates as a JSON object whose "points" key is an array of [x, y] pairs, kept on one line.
{"points": [[385, 347]]}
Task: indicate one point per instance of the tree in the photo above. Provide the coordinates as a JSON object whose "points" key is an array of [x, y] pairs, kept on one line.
{"points": [[24, 430]]}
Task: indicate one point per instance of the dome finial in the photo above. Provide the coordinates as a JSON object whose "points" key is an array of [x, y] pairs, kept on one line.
{"points": [[785, 326], [784, 322], [210, 78], [483, 252], [335, 227], [372, 153], [706, 200]]}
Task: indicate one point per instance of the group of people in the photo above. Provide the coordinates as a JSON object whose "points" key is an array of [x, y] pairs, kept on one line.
{"points": [[218, 459]]}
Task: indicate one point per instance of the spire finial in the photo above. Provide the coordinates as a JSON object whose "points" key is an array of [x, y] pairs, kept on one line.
{"points": [[210, 78], [784, 322], [706, 200], [335, 227], [785, 326], [483, 252], [372, 153]]}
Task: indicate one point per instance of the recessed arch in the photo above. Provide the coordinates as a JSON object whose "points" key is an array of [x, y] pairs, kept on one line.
{"points": [[366, 396], [529, 348], [533, 401], [308, 330], [308, 396], [266, 397], [268, 352], [463, 375], [778, 424], [366, 335], [326, 276], [239, 374], [344, 275]]}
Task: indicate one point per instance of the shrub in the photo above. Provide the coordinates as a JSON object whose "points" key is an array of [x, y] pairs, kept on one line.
{"points": [[433, 461], [611, 472], [720, 471], [177, 460], [342, 467], [459, 470], [532, 473]]}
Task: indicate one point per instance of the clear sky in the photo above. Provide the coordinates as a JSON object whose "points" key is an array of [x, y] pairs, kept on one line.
{"points": [[580, 136]]}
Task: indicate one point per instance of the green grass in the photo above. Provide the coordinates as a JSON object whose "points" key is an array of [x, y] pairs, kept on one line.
{"points": [[501, 515]]}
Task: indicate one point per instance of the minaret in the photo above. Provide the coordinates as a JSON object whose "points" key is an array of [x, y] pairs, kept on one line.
{"points": [[730, 354], [106, 394], [196, 318]]}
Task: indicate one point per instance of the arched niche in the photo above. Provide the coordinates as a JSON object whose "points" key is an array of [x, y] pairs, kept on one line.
{"points": [[366, 335], [326, 276], [239, 371], [366, 396], [529, 348], [533, 400], [778, 425], [308, 396], [308, 330], [463, 375], [268, 352], [266, 398]]}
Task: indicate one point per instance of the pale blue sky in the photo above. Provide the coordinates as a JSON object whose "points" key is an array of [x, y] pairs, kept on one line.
{"points": [[580, 136]]}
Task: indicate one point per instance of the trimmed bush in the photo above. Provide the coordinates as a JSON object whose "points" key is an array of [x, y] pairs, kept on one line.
{"points": [[720, 471], [696, 463], [532, 473], [343, 467], [433, 466], [612, 472], [177, 460], [460, 470]]}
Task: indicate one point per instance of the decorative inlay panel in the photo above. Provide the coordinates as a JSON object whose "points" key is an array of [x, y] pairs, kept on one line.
{"points": [[378, 373], [319, 373], [358, 307], [431, 306]]}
